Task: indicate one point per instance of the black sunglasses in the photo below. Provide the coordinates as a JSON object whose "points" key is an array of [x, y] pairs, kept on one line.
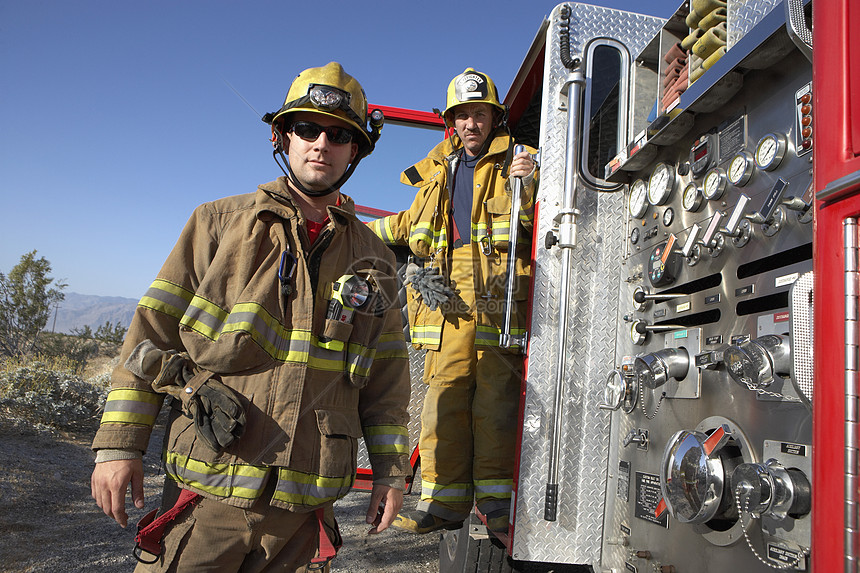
{"points": [[310, 131]]}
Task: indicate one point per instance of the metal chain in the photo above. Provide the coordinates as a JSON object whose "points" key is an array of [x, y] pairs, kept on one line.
{"points": [[741, 512], [762, 392], [657, 409]]}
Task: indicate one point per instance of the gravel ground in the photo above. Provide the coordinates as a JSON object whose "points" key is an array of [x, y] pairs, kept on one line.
{"points": [[50, 524]]}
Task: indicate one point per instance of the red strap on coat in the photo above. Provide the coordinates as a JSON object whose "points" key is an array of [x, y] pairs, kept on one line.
{"points": [[327, 550], [150, 530]]}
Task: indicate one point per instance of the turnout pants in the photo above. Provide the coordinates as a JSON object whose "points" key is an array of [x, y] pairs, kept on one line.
{"points": [[214, 536], [469, 418]]}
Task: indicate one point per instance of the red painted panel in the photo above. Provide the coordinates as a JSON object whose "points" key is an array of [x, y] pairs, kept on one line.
{"points": [[836, 153]]}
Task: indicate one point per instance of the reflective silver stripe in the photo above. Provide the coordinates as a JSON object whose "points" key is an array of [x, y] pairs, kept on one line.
{"points": [[223, 480], [450, 492], [426, 334], [205, 318], [483, 489], [169, 298], [359, 359], [131, 406], [386, 439], [308, 489]]}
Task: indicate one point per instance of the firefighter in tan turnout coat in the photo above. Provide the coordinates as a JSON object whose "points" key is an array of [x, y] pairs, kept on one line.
{"points": [[459, 225], [272, 329]]}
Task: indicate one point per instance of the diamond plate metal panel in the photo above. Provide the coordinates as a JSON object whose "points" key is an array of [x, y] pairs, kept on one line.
{"points": [[743, 15], [575, 537]]}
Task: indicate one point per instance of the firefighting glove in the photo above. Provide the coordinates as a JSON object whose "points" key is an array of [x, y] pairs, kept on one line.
{"points": [[430, 285], [219, 418]]}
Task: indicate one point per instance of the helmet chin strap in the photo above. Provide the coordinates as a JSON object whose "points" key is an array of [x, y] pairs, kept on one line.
{"points": [[288, 170]]}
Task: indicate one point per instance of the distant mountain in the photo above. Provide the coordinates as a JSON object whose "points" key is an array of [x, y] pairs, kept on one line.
{"points": [[79, 310]]}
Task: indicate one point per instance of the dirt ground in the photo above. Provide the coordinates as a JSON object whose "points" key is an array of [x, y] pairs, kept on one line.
{"points": [[50, 524]]}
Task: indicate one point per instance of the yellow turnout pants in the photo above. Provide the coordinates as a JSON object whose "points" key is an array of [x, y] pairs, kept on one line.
{"points": [[469, 418]]}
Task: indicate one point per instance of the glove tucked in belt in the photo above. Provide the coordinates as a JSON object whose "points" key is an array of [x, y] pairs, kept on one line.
{"points": [[218, 415]]}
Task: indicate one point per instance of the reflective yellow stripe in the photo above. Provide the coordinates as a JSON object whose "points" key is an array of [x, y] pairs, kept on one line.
{"points": [[452, 492], [386, 439], [423, 233], [489, 335], [223, 480], [310, 489], [391, 345], [166, 297], [382, 229], [497, 489], [425, 334], [131, 406]]}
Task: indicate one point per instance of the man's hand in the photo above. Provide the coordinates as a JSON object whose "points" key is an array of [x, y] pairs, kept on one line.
{"points": [[385, 503], [522, 165], [109, 484]]}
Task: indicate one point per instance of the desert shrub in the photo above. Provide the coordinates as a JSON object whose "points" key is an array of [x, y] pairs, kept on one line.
{"points": [[47, 393]]}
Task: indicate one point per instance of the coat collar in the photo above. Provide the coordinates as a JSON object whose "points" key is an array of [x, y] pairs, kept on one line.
{"points": [[443, 153], [276, 197]]}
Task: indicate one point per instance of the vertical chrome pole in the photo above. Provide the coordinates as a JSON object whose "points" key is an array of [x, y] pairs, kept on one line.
{"points": [[506, 339], [566, 241]]}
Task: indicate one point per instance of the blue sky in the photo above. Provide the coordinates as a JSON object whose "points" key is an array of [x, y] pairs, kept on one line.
{"points": [[117, 118]]}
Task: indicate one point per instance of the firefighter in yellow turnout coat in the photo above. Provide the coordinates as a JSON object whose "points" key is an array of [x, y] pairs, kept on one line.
{"points": [[270, 389], [459, 226]]}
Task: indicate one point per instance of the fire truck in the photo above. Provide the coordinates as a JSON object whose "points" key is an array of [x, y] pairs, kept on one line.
{"points": [[690, 396]]}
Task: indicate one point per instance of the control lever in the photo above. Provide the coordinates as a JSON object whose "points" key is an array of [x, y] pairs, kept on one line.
{"points": [[713, 239], [738, 226], [643, 327], [692, 240], [795, 204], [636, 436], [641, 297], [771, 216]]}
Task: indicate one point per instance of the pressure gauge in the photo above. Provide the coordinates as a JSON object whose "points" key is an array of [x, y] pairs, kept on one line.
{"points": [[692, 199], [741, 169], [715, 184], [770, 151], [668, 216], [638, 201], [661, 184], [634, 236]]}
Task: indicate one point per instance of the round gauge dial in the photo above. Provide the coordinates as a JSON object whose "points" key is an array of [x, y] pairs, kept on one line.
{"points": [[638, 201], [692, 198], [661, 184], [741, 169], [715, 184], [634, 236], [668, 216], [770, 151]]}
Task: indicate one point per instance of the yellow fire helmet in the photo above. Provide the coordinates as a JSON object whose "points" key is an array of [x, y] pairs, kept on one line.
{"points": [[472, 87], [329, 90]]}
